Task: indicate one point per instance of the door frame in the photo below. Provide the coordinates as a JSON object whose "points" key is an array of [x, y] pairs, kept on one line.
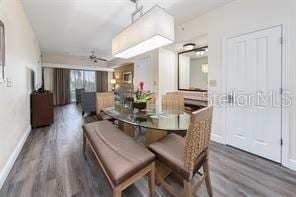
{"points": [[285, 132]]}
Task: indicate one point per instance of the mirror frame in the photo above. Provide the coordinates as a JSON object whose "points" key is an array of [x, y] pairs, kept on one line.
{"points": [[180, 53]]}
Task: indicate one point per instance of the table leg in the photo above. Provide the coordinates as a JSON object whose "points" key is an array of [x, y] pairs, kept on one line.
{"points": [[127, 128], [154, 136]]}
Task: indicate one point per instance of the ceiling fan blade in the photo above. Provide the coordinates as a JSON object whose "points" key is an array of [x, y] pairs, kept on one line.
{"points": [[101, 59]]}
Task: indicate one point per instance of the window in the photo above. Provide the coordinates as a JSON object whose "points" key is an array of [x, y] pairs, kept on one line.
{"points": [[82, 79]]}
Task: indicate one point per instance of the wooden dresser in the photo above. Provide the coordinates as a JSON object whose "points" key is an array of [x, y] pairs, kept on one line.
{"points": [[41, 109]]}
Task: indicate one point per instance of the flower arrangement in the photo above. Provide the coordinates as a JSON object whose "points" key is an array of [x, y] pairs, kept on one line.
{"points": [[142, 96]]}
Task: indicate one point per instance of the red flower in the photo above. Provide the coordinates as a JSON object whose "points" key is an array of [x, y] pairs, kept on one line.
{"points": [[142, 85]]}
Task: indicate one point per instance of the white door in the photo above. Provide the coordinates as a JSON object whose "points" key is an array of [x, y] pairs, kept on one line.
{"points": [[143, 73], [253, 69]]}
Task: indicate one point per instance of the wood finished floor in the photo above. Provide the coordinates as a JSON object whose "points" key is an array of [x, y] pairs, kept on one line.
{"points": [[52, 164]]}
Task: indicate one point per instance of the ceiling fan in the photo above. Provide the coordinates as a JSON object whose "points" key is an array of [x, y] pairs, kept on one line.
{"points": [[93, 58]]}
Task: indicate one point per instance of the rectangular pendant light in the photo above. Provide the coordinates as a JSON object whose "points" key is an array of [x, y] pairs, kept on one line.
{"points": [[153, 30]]}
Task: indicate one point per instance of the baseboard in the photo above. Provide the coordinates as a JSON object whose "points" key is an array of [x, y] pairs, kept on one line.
{"points": [[217, 138], [9, 164], [291, 164]]}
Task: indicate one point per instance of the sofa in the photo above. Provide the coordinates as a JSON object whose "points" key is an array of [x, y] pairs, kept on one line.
{"points": [[88, 102], [78, 95]]}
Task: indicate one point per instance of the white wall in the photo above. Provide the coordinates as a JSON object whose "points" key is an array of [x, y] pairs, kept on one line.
{"points": [[152, 70], [239, 17], [142, 73], [22, 55], [48, 79], [110, 76], [160, 73], [184, 71], [167, 69]]}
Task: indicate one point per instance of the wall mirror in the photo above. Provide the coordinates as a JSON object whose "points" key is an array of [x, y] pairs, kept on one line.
{"points": [[193, 70]]}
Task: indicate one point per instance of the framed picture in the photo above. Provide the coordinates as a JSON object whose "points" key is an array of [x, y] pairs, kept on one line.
{"points": [[127, 77], [2, 51]]}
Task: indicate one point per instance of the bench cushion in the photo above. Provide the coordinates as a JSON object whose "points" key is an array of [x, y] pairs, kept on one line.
{"points": [[121, 155], [170, 151]]}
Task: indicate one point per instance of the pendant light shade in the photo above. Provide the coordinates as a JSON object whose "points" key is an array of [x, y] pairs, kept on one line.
{"points": [[152, 30]]}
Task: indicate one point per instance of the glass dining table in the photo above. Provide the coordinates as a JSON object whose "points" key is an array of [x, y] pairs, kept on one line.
{"points": [[154, 118]]}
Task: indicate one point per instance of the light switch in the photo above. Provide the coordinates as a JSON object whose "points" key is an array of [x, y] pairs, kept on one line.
{"points": [[213, 83], [8, 83]]}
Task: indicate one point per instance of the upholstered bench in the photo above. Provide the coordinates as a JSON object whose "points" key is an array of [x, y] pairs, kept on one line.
{"points": [[121, 158]]}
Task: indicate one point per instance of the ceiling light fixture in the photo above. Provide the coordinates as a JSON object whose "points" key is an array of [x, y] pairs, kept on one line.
{"points": [[154, 29], [202, 52], [188, 46], [199, 53]]}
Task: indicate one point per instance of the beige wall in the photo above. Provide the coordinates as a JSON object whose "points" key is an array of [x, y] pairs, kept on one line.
{"points": [[118, 76], [22, 55], [233, 19]]}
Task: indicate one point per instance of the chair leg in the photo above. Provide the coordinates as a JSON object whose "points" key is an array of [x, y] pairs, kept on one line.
{"points": [[207, 177], [151, 176], [84, 142], [187, 188], [117, 192]]}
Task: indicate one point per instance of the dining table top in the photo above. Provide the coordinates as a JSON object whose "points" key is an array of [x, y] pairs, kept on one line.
{"points": [[152, 118]]}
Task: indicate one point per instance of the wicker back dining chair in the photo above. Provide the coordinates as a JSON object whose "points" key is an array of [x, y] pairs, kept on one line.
{"points": [[173, 102], [198, 136], [186, 156], [103, 100]]}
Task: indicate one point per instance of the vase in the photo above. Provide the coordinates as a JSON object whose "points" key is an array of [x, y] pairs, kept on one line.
{"points": [[139, 106]]}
